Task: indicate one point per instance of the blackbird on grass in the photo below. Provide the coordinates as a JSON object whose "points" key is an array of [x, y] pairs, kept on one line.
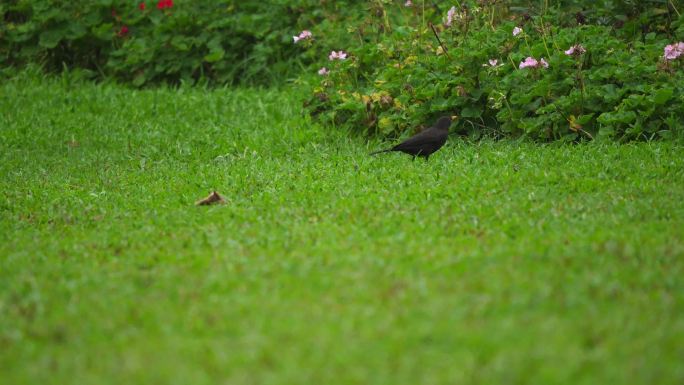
{"points": [[426, 142]]}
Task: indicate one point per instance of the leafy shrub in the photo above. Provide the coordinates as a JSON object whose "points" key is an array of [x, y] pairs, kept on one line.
{"points": [[145, 42], [399, 75]]}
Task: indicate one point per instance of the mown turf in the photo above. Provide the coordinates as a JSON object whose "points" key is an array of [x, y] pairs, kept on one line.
{"points": [[492, 263]]}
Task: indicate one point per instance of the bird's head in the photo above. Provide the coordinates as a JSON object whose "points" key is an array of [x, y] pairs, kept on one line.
{"points": [[444, 122]]}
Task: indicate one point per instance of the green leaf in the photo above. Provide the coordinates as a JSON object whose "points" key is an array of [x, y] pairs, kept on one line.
{"points": [[439, 104], [216, 50], [662, 96], [606, 132], [103, 31], [181, 43], [76, 31], [471, 112], [385, 125], [619, 116], [92, 19], [50, 39], [610, 93], [139, 79], [214, 55], [584, 119]]}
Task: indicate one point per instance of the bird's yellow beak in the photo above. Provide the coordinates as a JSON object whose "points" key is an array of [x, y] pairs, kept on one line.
{"points": [[454, 117]]}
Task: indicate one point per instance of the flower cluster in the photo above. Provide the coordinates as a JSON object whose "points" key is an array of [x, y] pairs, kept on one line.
{"points": [[575, 50], [531, 62], [339, 55], [163, 4], [408, 3], [306, 34], [334, 55], [673, 51], [517, 31]]}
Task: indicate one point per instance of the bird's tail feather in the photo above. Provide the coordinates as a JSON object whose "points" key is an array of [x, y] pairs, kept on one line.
{"points": [[381, 151]]}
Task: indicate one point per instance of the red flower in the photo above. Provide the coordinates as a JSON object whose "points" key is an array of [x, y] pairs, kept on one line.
{"points": [[142, 6], [123, 31], [163, 4]]}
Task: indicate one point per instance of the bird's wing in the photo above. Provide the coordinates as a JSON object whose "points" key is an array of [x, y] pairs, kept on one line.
{"points": [[424, 137]]}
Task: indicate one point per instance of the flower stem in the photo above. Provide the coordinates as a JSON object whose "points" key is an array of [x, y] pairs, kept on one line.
{"points": [[675, 8], [512, 62], [546, 47], [422, 22], [529, 50], [444, 48], [581, 84]]}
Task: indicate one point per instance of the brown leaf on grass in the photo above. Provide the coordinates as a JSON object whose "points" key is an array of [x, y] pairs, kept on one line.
{"points": [[211, 199]]}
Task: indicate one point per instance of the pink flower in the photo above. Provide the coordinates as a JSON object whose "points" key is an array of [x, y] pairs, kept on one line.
{"points": [[408, 3], [517, 31], [575, 50], [529, 62], [306, 34], [673, 51], [451, 13], [340, 55], [323, 71]]}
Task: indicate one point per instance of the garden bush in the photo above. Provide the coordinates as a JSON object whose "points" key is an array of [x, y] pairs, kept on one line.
{"points": [[569, 72], [161, 41], [383, 67]]}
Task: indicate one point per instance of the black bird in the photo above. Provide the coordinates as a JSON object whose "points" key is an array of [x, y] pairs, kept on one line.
{"points": [[426, 142]]}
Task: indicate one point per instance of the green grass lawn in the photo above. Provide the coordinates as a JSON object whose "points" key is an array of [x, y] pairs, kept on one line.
{"points": [[494, 262]]}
